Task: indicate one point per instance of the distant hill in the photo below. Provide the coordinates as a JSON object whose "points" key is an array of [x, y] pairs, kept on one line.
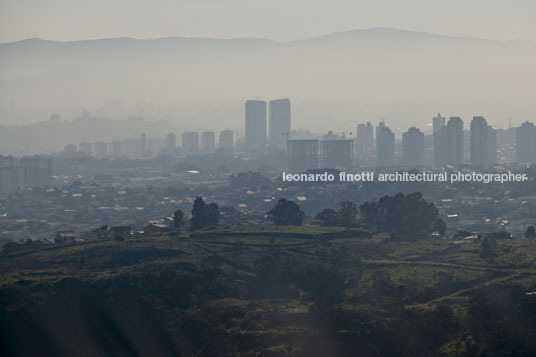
{"points": [[356, 75], [36, 56]]}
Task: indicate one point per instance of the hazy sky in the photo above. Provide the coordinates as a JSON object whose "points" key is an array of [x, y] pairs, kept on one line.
{"points": [[274, 19]]}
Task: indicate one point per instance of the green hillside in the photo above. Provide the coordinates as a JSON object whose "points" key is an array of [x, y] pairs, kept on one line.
{"points": [[254, 291]]}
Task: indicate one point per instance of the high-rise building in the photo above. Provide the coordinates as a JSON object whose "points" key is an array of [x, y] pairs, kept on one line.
{"points": [[207, 142], [492, 146], [171, 143], [117, 148], [85, 148], [454, 141], [302, 155], [101, 149], [365, 140], [255, 123], [483, 143], [413, 147], [385, 145], [336, 153], [279, 122], [143, 144], [526, 143], [440, 141], [226, 139], [11, 179], [190, 142], [438, 122], [28, 172], [37, 171], [11, 175]]}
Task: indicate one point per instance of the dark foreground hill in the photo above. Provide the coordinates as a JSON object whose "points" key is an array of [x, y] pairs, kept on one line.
{"points": [[270, 292]]}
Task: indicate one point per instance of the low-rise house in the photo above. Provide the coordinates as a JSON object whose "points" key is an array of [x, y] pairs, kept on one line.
{"points": [[155, 228], [101, 232], [63, 236], [120, 231]]}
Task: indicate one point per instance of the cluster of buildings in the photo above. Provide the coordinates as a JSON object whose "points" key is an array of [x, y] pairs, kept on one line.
{"points": [[204, 143], [27, 172], [450, 145], [268, 134], [143, 148], [132, 148], [265, 124]]}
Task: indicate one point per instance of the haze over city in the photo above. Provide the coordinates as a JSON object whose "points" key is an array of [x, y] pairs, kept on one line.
{"points": [[341, 63], [268, 178]]}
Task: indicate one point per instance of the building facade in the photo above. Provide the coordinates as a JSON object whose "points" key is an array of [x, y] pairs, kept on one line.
{"points": [[413, 147], [385, 146], [526, 143], [454, 142], [255, 124], [483, 143], [279, 115], [302, 155], [208, 142], [190, 142]]}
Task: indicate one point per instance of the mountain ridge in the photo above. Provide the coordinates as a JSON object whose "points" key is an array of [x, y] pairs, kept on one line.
{"points": [[373, 30]]}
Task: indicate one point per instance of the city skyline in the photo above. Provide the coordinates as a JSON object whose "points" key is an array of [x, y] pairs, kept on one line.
{"points": [[268, 178]]}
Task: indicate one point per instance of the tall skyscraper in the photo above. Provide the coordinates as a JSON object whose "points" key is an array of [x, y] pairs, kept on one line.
{"points": [[438, 122], [526, 143], [226, 139], [385, 145], [365, 140], [440, 141], [413, 147], [279, 122], [171, 143], [336, 153], [208, 142], [190, 142], [454, 138], [255, 123], [483, 143], [302, 155]]}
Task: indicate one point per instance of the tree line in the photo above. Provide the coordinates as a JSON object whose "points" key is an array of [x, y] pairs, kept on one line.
{"points": [[402, 216]]}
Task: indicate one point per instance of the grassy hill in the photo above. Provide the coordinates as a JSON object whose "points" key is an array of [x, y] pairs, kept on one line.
{"points": [[270, 291]]}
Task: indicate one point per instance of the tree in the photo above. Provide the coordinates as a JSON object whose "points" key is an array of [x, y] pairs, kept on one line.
{"points": [[409, 217], [530, 233], [344, 217], [11, 247], [213, 214], [347, 213], [488, 248], [328, 217], [178, 219], [286, 213], [204, 215]]}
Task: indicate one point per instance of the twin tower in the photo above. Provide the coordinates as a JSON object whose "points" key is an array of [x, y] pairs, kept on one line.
{"points": [[279, 124]]}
